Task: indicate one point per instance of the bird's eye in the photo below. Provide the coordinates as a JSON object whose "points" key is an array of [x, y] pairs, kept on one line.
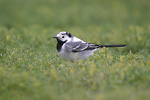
{"points": [[62, 36]]}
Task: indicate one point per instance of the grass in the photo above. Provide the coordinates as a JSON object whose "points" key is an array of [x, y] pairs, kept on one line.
{"points": [[30, 67]]}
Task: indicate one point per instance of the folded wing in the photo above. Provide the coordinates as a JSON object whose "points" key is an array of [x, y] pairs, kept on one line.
{"points": [[80, 46]]}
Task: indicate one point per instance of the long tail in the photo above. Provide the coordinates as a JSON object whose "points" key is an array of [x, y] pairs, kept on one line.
{"points": [[120, 45]]}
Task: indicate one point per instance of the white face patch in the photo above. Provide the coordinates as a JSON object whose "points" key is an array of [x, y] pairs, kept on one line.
{"points": [[63, 36]]}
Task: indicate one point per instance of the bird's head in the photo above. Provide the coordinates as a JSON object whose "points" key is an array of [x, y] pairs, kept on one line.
{"points": [[64, 36]]}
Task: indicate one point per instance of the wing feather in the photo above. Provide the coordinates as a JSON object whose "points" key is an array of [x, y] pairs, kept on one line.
{"points": [[80, 46]]}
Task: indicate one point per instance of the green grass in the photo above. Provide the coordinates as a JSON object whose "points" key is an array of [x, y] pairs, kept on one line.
{"points": [[31, 69]]}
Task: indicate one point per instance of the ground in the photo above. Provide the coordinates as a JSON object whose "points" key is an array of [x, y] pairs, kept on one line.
{"points": [[30, 67]]}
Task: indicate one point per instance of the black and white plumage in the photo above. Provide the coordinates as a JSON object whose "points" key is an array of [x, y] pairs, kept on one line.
{"points": [[71, 47]]}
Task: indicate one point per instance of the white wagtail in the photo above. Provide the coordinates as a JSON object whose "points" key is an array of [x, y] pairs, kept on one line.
{"points": [[71, 47]]}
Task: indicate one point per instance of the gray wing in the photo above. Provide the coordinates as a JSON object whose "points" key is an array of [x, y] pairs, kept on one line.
{"points": [[79, 46]]}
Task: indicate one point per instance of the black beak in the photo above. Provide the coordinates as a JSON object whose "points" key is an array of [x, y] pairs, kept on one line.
{"points": [[55, 37]]}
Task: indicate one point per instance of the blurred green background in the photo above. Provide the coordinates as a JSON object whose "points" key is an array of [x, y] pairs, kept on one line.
{"points": [[30, 67], [125, 19], [78, 13]]}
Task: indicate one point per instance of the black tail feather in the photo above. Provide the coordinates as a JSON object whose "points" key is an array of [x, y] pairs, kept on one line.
{"points": [[101, 46]]}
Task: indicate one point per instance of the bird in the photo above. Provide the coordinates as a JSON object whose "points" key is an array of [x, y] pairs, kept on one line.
{"points": [[73, 48]]}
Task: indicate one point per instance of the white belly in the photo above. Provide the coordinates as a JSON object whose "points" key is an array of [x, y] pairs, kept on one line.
{"points": [[68, 55], [78, 55]]}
